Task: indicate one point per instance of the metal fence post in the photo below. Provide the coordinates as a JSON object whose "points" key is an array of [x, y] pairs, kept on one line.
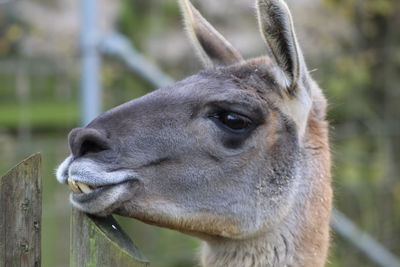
{"points": [[91, 62]]}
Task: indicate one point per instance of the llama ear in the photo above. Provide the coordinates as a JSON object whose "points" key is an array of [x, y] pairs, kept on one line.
{"points": [[276, 25], [277, 28], [210, 45]]}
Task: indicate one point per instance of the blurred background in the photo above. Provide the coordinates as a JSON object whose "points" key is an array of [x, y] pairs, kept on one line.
{"points": [[351, 46]]}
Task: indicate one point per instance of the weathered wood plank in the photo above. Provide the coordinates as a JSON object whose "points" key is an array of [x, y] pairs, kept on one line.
{"points": [[100, 242], [20, 214]]}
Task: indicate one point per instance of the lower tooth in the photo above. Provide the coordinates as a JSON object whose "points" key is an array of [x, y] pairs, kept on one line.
{"points": [[84, 187], [73, 186]]}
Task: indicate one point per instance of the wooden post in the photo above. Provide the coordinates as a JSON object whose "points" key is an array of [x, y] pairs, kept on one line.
{"points": [[100, 242], [20, 214]]}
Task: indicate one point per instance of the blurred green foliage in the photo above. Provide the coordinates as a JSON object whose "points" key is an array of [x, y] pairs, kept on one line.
{"points": [[12, 31], [135, 21], [41, 115], [362, 82]]}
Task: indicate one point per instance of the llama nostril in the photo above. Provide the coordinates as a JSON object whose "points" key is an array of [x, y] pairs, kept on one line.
{"points": [[85, 140], [90, 146]]}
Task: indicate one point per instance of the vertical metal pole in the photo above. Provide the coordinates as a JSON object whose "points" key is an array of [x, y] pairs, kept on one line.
{"points": [[91, 62]]}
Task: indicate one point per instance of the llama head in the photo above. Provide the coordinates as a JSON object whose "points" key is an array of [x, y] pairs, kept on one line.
{"points": [[216, 154]]}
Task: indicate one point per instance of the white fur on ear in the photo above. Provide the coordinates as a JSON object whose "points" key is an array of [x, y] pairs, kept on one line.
{"points": [[210, 45], [298, 109]]}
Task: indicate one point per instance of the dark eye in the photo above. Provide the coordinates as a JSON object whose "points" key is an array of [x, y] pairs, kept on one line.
{"points": [[233, 120]]}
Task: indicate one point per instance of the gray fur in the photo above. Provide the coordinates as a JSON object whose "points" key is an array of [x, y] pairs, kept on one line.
{"points": [[162, 159], [212, 48]]}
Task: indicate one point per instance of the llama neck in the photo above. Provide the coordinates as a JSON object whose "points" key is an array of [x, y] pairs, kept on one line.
{"points": [[287, 246], [272, 249], [301, 239]]}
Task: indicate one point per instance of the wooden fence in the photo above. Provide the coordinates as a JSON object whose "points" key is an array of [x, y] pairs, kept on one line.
{"points": [[95, 241]]}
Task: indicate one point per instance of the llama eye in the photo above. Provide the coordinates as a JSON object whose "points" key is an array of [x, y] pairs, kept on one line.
{"points": [[233, 120]]}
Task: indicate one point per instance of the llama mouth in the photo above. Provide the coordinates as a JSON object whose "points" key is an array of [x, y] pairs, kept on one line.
{"points": [[85, 191], [101, 199], [81, 188]]}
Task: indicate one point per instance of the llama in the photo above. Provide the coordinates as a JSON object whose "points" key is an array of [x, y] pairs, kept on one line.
{"points": [[236, 155]]}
